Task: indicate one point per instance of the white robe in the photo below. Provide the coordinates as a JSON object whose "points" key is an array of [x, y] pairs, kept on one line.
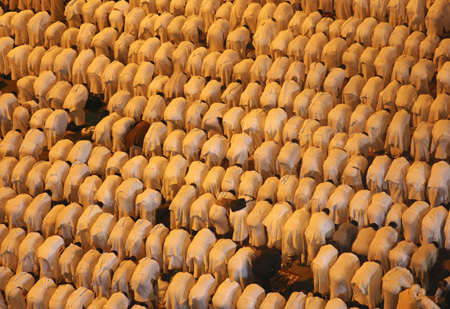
{"points": [[198, 252], [100, 231], [366, 284], [312, 164], [219, 215], [401, 254], [106, 192], [48, 256], [288, 158], [416, 179], [36, 211], [376, 174], [396, 179], [296, 300], [241, 148], [257, 234], [32, 144], [304, 191], [199, 213], [219, 255], [102, 274], [15, 209], [117, 300], [321, 265], [439, 108], [144, 278], [214, 150], [85, 268], [177, 295], [341, 274], [11, 254], [79, 298], [154, 172], [118, 237], [16, 286], [66, 221], [175, 249], [20, 172], [192, 144], [378, 208], [354, 171], [48, 224], [422, 262], [84, 224], [265, 158], [180, 207], [394, 282], [440, 139], [384, 240], [273, 300], [19, 26], [147, 202], [411, 220], [240, 266], [433, 225], [155, 241], [126, 195], [274, 223], [17, 59], [437, 187], [6, 45], [320, 228], [68, 262], [59, 298]]}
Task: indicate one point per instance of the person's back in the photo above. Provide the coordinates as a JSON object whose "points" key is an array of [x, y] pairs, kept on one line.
{"points": [[265, 266], [202, 292], [408, 298], [345, 235], [177, 295]]}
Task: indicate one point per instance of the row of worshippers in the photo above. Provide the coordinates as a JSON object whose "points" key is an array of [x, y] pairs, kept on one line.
{"points": [[91, 165], [282, 28], [419, 15], [83, 173], [115, 132], [274, 125], [294, 104], [307, 103], [183, 292], [106, 75], [332, 61], [128, 198], [48, 126], [57, 260], [243, 83], [439, 108], [73, 278], [169, 137], [119, 87], [343, 276], [122, 205], [402, 255], [403, 181], [392, 43]]}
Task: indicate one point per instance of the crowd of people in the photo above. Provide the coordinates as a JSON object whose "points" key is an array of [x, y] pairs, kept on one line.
{"points": [[316, 132]]}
